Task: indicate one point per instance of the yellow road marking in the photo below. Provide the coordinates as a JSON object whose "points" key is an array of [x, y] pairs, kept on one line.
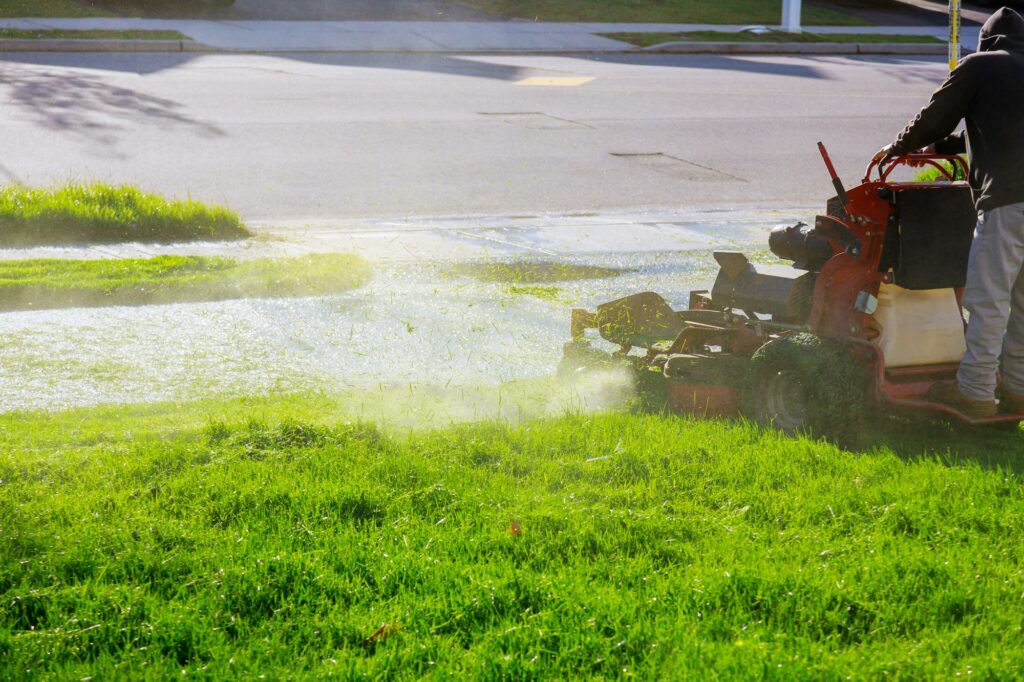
{"points": [[556, 81]]}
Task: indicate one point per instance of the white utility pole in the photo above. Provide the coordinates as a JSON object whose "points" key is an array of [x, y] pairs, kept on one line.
{"points": [[791, 16]]}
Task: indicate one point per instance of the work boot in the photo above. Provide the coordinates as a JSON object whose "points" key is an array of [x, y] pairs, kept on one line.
{"points": [[1010, 402], [949, 394]]}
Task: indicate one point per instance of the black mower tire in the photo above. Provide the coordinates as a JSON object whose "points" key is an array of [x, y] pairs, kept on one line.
{"points": [[805, 383]]}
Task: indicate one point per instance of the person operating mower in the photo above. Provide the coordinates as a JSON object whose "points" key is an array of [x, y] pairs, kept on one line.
{"points": [[986, 90]]}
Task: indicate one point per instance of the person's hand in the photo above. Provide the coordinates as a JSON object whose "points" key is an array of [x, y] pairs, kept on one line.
{"points": [[929, 150], [883, 155]]}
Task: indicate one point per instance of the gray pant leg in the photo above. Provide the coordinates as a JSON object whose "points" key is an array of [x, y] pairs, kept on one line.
{"points": [[1012, 361], [997, 256]]}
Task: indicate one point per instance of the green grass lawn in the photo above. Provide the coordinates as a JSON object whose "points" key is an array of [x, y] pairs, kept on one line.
{"points": [[657, 38], [22, 34], [97, 213], [51, 8], [61, 283], [119, 8], [671, 11], [278, 537], [933, 174]]}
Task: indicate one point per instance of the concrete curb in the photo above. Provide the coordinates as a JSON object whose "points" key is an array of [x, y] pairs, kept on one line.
{"points": [[80, 45], [921, 49]]}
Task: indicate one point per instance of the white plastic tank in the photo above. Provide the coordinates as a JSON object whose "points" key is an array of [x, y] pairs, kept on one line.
{"points": [[919, 327]]}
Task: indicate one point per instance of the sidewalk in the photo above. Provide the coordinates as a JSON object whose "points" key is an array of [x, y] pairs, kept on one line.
{"points": [[407, 36]]}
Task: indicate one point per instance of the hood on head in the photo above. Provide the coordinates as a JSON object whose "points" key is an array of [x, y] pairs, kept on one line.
{"points": [[1004, 30]]}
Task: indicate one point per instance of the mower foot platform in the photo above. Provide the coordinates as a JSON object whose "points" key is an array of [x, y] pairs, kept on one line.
{"points": [[941, 410], [908, 389]]}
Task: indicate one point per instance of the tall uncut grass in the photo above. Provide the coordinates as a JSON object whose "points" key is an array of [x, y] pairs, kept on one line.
{"points": [[610, 546], [97, 213]]}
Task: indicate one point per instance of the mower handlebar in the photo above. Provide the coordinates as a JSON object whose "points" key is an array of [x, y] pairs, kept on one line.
{"points": [[886, 166]]}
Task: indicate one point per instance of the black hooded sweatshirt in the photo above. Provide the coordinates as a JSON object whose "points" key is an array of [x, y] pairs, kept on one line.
{"points": [[986, 89]]}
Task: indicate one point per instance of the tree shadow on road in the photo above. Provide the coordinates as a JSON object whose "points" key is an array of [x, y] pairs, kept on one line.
{"points": [[756, 64], [483, 66], [480, 66], [908, 71], [143, 64], [139, 63], [88, 106], [472, 66], [912, 70], [449, 65]]}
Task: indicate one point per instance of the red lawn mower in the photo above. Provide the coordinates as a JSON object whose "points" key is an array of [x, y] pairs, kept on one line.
{"points": [[867, 318]]}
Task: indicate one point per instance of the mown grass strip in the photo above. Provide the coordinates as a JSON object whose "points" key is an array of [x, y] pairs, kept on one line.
{"points": [[670, 11], [657, 38], [60, 283], [97, 34], [581, 546], [534, 271], [98, 213]]}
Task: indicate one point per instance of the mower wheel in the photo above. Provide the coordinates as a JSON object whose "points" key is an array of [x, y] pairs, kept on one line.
{"points": [[806, 383]]}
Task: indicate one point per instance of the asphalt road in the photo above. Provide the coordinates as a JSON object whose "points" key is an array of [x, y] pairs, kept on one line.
{"points": [[336, 136]]}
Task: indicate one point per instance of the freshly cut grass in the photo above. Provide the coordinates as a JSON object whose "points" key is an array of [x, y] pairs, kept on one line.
{"points": [[671, 11], [544, 293], [60, 283], [534, 271], [657, 38], [22, 34], [97, 213], [283, 540]]}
